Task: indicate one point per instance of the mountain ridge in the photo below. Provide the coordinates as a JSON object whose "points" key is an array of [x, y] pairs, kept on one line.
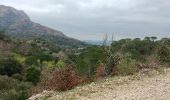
{"points": [[16, 23]]}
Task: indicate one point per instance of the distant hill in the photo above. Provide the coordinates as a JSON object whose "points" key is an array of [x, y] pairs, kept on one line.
{"points": [[96, 42], [17, 24]]}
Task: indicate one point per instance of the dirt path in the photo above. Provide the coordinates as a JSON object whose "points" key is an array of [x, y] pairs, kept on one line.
{"points": [[156, 87]]}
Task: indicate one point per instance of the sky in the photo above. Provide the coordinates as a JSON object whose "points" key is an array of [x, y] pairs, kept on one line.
{"points": [[92, 19]]}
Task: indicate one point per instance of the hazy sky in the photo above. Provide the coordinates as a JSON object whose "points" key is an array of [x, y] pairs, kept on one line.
{"points": [[91, 19]]}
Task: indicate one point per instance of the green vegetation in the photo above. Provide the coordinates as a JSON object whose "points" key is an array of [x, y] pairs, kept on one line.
{"points": [[30, 66], [163, 54], [10, 67], [87, 61], [136, 48], [12, 89], [127, 67], [33, 75]]}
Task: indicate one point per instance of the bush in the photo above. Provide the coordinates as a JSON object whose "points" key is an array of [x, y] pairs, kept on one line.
{"points": [[3, 36], [12, 89], [163, 54], [127, 67], [31, 61], [18, 76], [61, 80], [22, 90], [87, 62], [100, 71], [10, 66], [33, 75], [64, 79], [136, 49], [60, 64], [11, 94], [7, 82]]}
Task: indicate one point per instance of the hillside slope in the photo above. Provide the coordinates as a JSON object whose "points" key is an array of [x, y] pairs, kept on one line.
{"points": [[154, 87], [17, 24]]}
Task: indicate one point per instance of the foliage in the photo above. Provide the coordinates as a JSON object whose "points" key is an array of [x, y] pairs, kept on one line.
{"points": [[49, 64], [18, 57], [19, 77], [60, 80], [7, 82], [10, 66], [60, 64], [127, 67], [64, 79], [32, 60], [33, 75], [12, 89], [3, 36], [100, 70], [86, 62], [136, 49], [163, 54]]}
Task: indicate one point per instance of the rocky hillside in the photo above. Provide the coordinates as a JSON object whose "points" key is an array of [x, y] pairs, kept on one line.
{"points": [[16, 23]]}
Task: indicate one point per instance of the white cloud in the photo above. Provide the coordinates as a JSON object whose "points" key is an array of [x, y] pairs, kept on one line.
{"points": [[94, 17]]}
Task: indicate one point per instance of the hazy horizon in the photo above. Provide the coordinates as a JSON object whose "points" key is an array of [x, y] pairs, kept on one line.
{"points": [[91, 19]]}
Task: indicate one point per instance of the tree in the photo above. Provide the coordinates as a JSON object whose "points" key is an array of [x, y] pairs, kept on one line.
{"points": [[60, 64], [153, 38], [9, 66], [87, 61], [31, 60], [3, 36], [163, 54], [147, 38], [33, 75]]}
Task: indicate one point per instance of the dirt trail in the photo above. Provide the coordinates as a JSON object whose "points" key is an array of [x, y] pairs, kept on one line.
{"points": [[156, 87]]}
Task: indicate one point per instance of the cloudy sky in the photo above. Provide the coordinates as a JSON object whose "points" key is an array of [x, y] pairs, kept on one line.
{"points": [[91, 19]]}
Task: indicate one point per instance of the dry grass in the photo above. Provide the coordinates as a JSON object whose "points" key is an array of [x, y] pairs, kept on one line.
{"points": [[62, 80]]}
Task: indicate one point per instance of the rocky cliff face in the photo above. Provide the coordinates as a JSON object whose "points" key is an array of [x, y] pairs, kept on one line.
{"points": [[17, 24]]}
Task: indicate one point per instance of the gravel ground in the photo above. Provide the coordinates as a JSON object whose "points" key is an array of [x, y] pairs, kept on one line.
{"points": [[153, 86]]}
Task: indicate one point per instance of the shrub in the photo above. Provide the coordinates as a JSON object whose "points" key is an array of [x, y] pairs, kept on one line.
{"points": [[163, 54], [61, 80], [87, 61], [60, 64], [11, 94], [12, 89], [18, 76], [22, 90], [49, 64], [136, 49], [3, 36], [64, 79], [31, 61], [7, 82], [100, 71], [33, 75], [10, 66], [127, 67]]}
